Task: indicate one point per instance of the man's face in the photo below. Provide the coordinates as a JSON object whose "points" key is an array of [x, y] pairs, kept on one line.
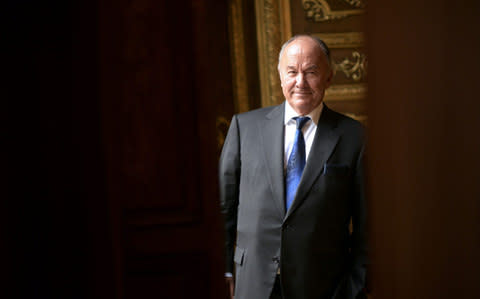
{"points": [[304, 74]]}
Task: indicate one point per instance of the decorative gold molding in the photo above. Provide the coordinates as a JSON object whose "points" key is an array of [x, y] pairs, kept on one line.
{"points": [[238, 59], [269, 43], [320, 11], [355, 68], [346, 92], [285, 20], [343, 40], [273, 27], [356, 3]]}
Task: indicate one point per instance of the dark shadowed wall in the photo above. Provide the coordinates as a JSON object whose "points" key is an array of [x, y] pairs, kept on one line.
{"points": [[112, 148], [424, 153]]}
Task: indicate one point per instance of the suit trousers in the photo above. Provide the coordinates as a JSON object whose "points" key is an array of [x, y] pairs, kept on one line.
{"points": [[277, 290]]}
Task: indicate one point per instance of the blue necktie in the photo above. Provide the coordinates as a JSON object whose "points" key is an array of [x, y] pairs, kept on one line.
{"points": [[296, 161]]}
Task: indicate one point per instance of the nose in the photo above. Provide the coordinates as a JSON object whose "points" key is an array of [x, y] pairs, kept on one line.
{"points": [[300, 80]]}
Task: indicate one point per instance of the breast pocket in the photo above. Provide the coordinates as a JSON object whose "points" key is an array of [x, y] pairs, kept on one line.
{"points": [[239, 256], [336, 170], [335, 181]]}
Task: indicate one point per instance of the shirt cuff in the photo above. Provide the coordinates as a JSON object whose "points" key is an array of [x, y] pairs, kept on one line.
{"points": [[228, 274]]}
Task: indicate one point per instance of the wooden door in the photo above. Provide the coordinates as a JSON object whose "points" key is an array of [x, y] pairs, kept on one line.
{"points": [[164, 77]]}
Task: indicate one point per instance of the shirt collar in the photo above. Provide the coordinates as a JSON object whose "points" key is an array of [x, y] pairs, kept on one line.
{"points": [[314, 114]]}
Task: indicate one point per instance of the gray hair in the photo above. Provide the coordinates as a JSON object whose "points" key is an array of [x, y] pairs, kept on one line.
{"points": [[323, 46]]}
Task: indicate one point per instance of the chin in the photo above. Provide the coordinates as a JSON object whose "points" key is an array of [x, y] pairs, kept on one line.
{"points": [[302, 100], [304, 105]]}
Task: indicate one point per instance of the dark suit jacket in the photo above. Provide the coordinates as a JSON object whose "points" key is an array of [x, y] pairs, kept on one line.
{"points": [[311, 243]]}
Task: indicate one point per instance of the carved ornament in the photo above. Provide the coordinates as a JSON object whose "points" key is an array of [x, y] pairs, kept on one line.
{"points": [[343, 40], [320, 11], [354, 68], [356, 3], [346, 92]]}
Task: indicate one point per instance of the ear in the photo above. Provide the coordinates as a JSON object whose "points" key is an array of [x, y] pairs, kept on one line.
{"points": [[329, 79]]}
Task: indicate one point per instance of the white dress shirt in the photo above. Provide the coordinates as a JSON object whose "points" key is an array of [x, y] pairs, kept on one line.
{"points": [[308, 130]]}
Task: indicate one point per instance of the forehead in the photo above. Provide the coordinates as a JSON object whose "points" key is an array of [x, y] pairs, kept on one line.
{"points": [[303, 51]]}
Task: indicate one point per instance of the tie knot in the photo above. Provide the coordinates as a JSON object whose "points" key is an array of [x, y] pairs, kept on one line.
{"points": [[301, 121]]}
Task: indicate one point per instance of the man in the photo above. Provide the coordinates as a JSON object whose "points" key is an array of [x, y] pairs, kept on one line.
{"points": [[291, 181]]}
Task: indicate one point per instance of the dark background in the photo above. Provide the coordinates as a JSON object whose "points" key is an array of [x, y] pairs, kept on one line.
{"points": [[111, 148]]}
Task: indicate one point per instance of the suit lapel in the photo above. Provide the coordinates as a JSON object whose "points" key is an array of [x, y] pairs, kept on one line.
{"points": [[323, 145], [272, 133]]}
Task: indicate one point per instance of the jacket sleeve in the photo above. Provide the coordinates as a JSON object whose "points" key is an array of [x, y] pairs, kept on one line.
{"points": [[353, 282], [229, 180]]}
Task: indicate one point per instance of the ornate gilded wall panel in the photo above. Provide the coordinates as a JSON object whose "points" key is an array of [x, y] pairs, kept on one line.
{"points": [[269, 34], [239, 68], [321, 10], [244, 55]]}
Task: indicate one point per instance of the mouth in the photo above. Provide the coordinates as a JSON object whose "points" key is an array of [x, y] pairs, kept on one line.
{"points": [[302, 93]]}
